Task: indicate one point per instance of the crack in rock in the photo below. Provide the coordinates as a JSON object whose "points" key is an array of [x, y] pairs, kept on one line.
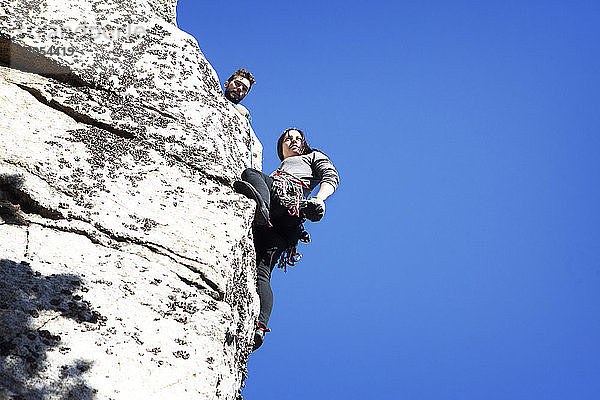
{"points": [[71, 112], [26, 59], [14, 202]]}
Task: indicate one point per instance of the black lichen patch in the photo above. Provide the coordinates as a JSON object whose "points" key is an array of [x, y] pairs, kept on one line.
{"points": [[229, 338], [211, 306], [155, 350], [181, 354], [238, 296], [145, 224]]}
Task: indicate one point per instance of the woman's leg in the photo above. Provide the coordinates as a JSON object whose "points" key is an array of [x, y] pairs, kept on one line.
{"points": [[256, 186], [265, 293], [269, 246], [261, 182]]}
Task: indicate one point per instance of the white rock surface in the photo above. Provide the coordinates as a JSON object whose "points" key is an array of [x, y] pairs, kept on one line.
{"points": [[126, 265]]}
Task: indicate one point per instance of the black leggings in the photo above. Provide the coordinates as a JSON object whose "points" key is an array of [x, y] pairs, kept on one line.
{"points": [[270, 242]]}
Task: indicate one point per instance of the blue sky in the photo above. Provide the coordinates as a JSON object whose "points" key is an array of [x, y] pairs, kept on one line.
{"points": [[459, 258]]}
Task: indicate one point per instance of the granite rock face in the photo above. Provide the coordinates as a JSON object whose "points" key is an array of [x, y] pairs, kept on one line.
{"points": [[126, 264]]}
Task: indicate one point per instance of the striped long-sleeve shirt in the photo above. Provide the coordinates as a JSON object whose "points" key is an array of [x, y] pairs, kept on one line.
{"points": [[312, 169]]}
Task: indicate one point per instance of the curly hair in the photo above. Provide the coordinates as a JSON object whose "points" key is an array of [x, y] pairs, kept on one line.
{"points": [[242, 73], [305, 147]]}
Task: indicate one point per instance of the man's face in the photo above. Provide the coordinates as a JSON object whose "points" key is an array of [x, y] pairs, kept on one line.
{"points": [[237, 89]]}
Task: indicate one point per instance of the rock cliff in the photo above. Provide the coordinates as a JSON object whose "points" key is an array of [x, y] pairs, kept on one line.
{"points": [[126, 266]]}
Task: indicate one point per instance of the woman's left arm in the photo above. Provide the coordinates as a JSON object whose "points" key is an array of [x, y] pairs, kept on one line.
{"points": [[325, 191], [325, 170]]}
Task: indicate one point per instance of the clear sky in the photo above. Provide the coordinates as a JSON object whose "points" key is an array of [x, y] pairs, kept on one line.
{"points": [[460, 256]]}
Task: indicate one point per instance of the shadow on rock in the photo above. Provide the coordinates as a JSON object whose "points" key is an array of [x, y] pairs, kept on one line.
{"points": [[28, 300], [14, 201], [9, 209]]}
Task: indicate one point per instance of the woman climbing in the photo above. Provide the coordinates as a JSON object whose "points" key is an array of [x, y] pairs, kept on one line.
{"points": [[281, 207]]}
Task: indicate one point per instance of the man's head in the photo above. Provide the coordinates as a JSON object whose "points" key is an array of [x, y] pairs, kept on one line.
{"points": [[238, 85]]}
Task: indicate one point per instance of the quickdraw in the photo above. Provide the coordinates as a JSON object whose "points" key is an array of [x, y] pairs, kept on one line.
{"points": [[289, 257]]}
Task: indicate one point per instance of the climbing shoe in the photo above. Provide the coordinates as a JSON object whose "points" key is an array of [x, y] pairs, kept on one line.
{"points": [[261, 214], [259, 336], [312, 209]]}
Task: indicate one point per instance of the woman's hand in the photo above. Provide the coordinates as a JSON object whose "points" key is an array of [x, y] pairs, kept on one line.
{"points": [[313, 209]]}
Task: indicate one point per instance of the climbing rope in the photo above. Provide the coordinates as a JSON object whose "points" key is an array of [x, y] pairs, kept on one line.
{"points": [[289, 190]]}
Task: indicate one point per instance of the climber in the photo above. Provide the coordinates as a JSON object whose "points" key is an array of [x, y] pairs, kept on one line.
{"points": [[237, 87], [282, 207]]}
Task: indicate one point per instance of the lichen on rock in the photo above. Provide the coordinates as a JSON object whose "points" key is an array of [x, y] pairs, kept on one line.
{"points": [[126, 265]]}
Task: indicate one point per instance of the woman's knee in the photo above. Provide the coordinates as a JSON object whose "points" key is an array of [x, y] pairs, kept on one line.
{"points": [[249, 173]]}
